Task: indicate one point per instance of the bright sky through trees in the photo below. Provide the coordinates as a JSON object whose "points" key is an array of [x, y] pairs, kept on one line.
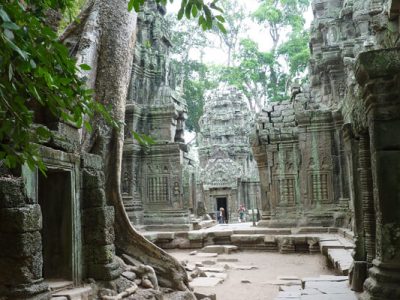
{"points": [[255, 32]]}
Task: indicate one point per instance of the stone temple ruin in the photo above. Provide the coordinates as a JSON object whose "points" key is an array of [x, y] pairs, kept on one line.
{"points": [[229, 174], [328, 161], [153, 186], [330, 156]]}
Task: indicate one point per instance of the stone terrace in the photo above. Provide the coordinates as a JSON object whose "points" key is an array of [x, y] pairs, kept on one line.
{"points": [[336, 244]]}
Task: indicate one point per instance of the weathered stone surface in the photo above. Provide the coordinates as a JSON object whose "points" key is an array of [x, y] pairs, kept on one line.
{"points": [[83, 293], [226, 164], [20, 245], [21, 219], [247, 238], [201, 296], [11, 192], [205, 282], [156, 184], [220, 249], [99, 216]]}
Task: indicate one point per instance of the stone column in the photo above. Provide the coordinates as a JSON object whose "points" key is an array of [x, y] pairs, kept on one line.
{"points": [[378, 74], [262, 163], [21, 260], [358, 273], [366, 193]]}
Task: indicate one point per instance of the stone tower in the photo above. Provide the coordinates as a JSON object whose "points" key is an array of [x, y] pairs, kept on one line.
{"points": [[152, 175], [228, 171]]}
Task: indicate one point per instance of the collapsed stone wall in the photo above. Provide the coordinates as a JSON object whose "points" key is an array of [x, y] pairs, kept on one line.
{"points": [[350, 112]]}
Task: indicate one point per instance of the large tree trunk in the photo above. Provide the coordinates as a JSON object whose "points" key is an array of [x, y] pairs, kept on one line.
{"points": [[105, 39]]}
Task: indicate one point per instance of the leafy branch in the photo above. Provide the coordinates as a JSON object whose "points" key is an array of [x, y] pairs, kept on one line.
{"points": [[208, 15]]}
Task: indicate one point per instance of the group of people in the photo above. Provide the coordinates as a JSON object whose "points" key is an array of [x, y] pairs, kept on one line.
{"points": [[222, 217]]}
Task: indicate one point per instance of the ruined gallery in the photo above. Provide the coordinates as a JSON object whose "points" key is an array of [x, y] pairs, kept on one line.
{"points": [[115, 217]]}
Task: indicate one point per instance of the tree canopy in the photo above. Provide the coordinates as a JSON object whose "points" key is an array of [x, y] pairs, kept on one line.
{"points": [[38, 77]]}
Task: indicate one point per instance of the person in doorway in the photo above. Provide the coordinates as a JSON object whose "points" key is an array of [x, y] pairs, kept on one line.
{"points": [[241, 212], [221, 215]]}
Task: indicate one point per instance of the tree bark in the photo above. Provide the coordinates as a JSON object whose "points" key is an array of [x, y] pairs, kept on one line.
{"points": [[105, 40]]}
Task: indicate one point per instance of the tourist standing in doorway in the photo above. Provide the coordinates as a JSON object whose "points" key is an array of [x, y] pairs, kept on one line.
{"points": [[241, 212], [221, 215]]}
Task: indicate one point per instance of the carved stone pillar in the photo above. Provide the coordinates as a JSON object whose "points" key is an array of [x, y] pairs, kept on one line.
{"points": [[358, 273], [367, 198], [261, 158], [377, 73]]}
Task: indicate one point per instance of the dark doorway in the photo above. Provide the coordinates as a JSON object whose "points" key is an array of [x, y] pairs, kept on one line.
{"points": [[55, 201], [221, 202]]}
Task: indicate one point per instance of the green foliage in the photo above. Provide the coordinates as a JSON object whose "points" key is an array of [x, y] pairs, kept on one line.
{"points": [[37, 76], [252, 75], [208, 15], [296, 52]]}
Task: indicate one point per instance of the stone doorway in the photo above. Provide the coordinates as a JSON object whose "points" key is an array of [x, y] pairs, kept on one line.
{"points": [[222, 202], [55, 199]]}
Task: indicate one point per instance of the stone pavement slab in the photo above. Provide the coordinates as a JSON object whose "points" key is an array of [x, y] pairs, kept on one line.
{"points": [[206, 281]]}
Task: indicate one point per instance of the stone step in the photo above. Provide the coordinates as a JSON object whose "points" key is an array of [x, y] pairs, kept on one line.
{"points": [[57, 285], [326, 245], [80, 293], [227, 249], [341, 259]]}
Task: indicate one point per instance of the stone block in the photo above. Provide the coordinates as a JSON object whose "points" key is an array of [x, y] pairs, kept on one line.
{"points": [[219, 249], [221, 233], [107, 272], [200, 296], [325, 245], [92, 161], [206, 281], [93, 198], [247, 239], [11, 192], [97, 235], [15, 271], [101, 216], [22, 219], [195, 235], [100, 254], [165, 235], [37, 290], [92, 179], [21, 244], [80, 293]]}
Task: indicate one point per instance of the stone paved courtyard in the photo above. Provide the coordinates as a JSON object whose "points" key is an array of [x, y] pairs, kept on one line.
{"points": [[230, 273], [260, 275]]}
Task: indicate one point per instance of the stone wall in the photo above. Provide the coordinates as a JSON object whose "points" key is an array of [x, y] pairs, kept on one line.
{"points": [[56, 226], [346, 121], [152, 176]]}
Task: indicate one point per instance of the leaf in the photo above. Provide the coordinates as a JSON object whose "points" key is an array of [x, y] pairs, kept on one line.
{"points": [[221, 27], [220, 18], [180, 13], [8, 33], [188, 10], [131, 4], [4, 15], [10, 72], [85, 67], [22, 53], [194, 11], [10, 25]]}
